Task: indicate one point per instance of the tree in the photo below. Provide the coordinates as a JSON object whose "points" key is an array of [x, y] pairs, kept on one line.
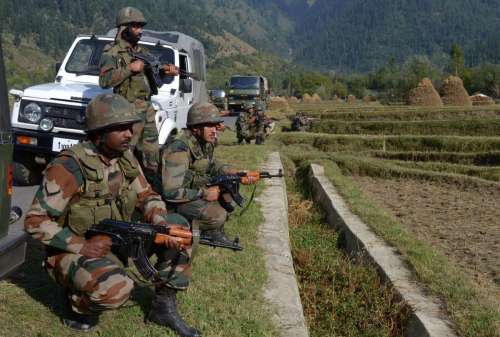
{"points": [[457, 59]]}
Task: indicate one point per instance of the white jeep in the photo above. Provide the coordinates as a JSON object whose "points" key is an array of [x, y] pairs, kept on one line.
{"points": [[50, 117]]}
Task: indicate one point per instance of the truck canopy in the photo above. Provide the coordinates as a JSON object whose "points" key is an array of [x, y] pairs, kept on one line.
{"points": [[186, 44]]}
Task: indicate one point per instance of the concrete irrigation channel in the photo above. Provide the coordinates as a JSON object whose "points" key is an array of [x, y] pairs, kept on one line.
{"points": [[427, 318]]}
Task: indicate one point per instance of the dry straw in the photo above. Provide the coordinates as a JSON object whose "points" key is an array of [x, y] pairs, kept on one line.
{"points": [[454, 93], [351, 99], [424, 95]]}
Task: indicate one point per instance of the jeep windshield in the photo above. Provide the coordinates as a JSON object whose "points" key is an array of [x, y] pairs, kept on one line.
{"points": [[244, 82], [86, 57]]}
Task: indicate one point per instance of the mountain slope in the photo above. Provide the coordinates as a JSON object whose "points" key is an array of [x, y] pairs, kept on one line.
{"points": [[362, 34]]}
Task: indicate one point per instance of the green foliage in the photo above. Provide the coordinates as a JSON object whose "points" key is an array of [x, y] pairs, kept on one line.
{"points": [[456, 59]]}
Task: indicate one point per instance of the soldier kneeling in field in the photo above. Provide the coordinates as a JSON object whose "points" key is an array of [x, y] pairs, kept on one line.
{"points": [[188, 163], [92, 181]]}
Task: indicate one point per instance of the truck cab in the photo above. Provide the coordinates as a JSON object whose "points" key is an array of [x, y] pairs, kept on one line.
{"points": [[50, 117], [249, 88]]}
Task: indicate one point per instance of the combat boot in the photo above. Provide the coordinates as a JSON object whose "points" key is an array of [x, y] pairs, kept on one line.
{"points": [[217, 235], [164, 312], [77, 321], [259, 140]]}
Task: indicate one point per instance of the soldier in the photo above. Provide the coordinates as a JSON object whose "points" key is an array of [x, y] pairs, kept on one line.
{"points": [[97, 179], [127, 78], [259, 121], [242, 127], [188, 162], [300, 122]]}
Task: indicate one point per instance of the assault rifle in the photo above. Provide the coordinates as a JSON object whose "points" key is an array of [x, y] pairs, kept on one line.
{"points": [[134, 240], [153, 67], [230, 183]]}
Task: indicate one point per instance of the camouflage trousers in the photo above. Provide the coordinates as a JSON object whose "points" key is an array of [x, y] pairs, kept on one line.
{"points": [[209, 214], [98, 284], [145, 138], [242, 127]]}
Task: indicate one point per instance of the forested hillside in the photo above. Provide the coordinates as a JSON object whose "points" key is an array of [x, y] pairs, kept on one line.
{"points": [[360, 35], [338, 37]]}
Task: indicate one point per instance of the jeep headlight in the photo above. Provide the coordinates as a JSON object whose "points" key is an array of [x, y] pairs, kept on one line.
{"points": [[32, 112]]}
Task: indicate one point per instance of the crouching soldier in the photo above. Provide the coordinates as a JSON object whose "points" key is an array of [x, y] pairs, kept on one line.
{"points": [[188, 163], [95, 180]]}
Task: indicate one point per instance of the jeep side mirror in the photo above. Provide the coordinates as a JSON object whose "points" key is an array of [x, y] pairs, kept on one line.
{"points": [[58, 66], [186, 85]]}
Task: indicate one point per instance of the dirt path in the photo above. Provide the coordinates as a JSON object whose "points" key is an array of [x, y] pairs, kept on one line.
{"points": [[463, 224]]}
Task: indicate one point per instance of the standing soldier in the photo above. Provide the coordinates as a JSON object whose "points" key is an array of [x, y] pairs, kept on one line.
{"points": [[259, 123], [242, 127], [188, 162], [127, 77], [94, 180]]}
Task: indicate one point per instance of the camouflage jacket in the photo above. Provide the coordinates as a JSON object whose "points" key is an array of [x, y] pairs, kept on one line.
{"points": [[186, 167], [81, 187], [114, 72]]}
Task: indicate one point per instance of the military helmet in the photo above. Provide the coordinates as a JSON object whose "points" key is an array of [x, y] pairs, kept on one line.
{"points": [[203, 113], [128, 15], [259, 106], [247, 105], [107, 110]]}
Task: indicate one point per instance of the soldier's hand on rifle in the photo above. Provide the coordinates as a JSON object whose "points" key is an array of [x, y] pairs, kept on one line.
{"points": [[170, 69], [212, 193], [252, 177], [178, 237], [97, 246], [136, 66]]}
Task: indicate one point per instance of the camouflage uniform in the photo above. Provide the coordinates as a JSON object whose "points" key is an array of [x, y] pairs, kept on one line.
{"points": [[242, 124], [187, 166], [300, 122], [259, 123], [135, 87], [80, 188]]}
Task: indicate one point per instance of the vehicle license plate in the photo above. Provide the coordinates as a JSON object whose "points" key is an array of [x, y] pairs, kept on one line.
{"points": [[59, 144]]}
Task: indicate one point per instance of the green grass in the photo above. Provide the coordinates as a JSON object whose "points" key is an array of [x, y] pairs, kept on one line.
{"points": [[355, 143], [225, 297], [398, 113], [478, 159], [460, 127], [473, 313], [341, 296]]}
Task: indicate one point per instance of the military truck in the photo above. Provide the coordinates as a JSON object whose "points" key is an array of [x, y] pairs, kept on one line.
{"points": [[50, 117], [13, 240], [250, 88]]}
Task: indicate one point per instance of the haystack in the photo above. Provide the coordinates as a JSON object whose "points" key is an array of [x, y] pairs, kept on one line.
{"points": [[306, 98], [481, 99], [424, 95], [316, 98], [293, 99], [453, 92], [351, 99], [278, 102]]}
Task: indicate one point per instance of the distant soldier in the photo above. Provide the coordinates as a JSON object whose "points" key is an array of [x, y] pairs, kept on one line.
{"points": [[259, 122], [92, 181], [300, 122], [188, 162], [126, 75], [242, 123]]}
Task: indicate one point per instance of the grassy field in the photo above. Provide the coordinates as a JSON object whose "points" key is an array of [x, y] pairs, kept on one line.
{"points": [[426, 186], [224, 298]]}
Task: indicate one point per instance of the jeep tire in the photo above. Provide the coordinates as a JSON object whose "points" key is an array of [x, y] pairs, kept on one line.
{"points": [[26, 172]]}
